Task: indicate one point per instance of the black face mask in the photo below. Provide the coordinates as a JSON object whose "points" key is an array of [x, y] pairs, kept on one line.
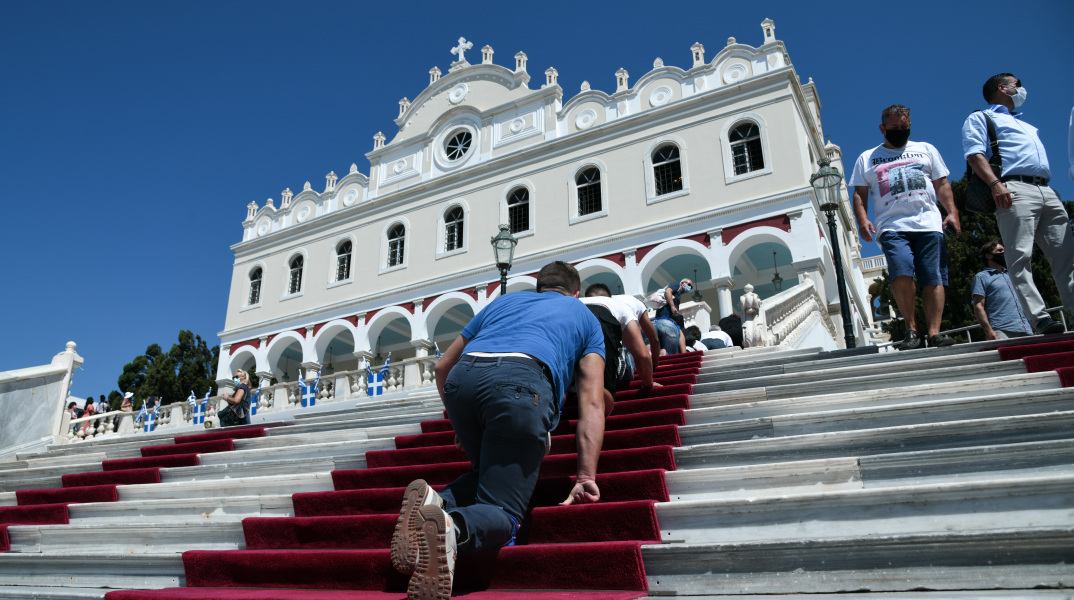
{"points": [[897, 137], [1000, 259]]}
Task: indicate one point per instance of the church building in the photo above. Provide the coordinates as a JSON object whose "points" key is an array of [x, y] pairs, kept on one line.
{"points": [[700, 172]]}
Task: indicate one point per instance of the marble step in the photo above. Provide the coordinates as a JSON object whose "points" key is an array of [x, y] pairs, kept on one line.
{"points": [[186, 510], [903, 438], [320, 481], [949, 465], [300, 449], [338, 435], [1017, 560], [124, 571], [906, 369], [727, 424], [51, 593], [361, 422], [814, 384], [746, 399], [1028, 503], [848, 367], [49, 471], [115, 537]]}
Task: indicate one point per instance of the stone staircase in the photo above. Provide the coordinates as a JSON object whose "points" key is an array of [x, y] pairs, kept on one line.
{"points": [[937, 473]]}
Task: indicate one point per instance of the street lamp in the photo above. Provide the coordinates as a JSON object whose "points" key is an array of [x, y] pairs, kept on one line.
{"points": [[825, 184], [777, 281], [697, 289], [503, 249]]}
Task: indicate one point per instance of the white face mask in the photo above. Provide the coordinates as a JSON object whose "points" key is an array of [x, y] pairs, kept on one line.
{"points": [[1019, 97]]}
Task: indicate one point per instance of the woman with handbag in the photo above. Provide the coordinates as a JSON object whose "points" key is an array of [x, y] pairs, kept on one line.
{"points": [[237, 411]]}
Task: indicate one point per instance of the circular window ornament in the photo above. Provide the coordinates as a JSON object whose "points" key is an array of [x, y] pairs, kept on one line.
{"points": [[350, 197], [734, 74], [585, 119], [303, 214], [458, 93], [264, 226], [457, 145], [517, 125], [660, 96], [399, 166]]}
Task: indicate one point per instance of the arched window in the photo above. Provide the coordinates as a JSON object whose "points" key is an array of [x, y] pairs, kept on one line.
{"points": [[518, 210], [294, 285], [453, 224], [396, 244], [255, 287], [588, 182], [746, 148], [343, 261], [667, 172]]}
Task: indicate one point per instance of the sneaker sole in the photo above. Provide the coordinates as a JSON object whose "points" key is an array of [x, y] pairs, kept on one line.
{"points": [[432, 576], [405, 539]]}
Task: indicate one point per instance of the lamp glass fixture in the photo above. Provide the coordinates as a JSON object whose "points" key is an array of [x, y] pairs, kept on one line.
{"points": [[503, 247], [825, 184]]}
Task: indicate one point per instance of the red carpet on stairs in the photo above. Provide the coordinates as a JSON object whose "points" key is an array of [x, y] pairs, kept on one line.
{"points": [[336, 545], [40, 514], [1049, 362], [92, 493], [205, 447], [237, 433], [165, 461], [124, 477], [1016, 352]]}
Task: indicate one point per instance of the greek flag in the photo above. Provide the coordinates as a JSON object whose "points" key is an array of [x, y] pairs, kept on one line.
{"points": [[437, 348], [141, 414], [150, 417], [253, 401], [375, 385], [309, 392], [192, 399], [200, 408]]}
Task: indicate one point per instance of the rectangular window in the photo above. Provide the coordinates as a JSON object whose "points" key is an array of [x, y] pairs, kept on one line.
{"points": [[255, 292]]}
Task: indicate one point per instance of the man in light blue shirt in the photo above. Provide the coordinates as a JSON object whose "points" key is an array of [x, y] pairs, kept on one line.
{"points": [[1027, 210], [995, 302]]}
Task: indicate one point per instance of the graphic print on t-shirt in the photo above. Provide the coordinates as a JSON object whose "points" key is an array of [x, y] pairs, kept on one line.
{"points": [[899, 177]]}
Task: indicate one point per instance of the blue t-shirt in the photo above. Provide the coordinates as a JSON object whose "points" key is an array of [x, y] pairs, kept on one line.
{"points": [[1001, 304], [555, 329]]}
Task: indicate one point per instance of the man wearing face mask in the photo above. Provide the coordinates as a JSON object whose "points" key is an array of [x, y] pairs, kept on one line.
{"points": [[907, 179], [673, 294], [995, 302], [1027, 210]]}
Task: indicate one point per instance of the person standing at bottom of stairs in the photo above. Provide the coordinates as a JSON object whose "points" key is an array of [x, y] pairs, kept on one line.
{"points": [[906, 179], [502, 382]]}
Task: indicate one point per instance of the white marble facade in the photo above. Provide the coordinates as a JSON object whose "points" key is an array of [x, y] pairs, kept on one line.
{"points": [[699, 171]]}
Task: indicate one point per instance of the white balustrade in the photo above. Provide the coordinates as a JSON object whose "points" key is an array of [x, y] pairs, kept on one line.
{"points": [[785, 316]]}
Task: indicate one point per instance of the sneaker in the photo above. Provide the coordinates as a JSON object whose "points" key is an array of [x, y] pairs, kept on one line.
{"points": [[405, 539], [940, 340], [435, 570], [912, 341], [1049, 326]]}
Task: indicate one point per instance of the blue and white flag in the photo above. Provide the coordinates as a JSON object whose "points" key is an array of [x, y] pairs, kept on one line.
{"points": [[150, 417], [384, 369], [141, 414], [253, 401], [374, 385], [437, 348], [192, 399], [309, 392]]}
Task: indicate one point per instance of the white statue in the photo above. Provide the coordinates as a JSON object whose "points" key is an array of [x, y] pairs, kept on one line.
{"points": [[750, 304]]}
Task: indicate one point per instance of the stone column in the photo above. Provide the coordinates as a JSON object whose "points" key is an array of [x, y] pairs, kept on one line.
{"points": [[360, 385], [723, 287], [416, 372], [264, 399], [632, 283]]}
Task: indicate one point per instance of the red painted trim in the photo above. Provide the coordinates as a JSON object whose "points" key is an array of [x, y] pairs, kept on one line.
{"points": [[641, 252], [779, 222], [269, 339], [425, 304], [317, 328], [353, 320], [369, 315], [255, 343], [409, 307], [472, 292], [701, 238], [301, 331], [618, 258], [491, 288]]}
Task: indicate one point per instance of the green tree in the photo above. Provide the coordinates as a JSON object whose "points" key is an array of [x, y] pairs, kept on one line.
{"points": [[963, 265], [187, 366]]}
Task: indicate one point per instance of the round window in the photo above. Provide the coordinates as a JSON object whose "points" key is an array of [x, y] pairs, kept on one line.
{"points": [[458, 144]]}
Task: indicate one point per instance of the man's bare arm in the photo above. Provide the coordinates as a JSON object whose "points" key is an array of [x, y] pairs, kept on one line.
{"points": [[649, 330], [982, 318], [590, 430], [447, 361], [947, 200], [637, 348], [670, 297], [1000, 193], [861, 213]]}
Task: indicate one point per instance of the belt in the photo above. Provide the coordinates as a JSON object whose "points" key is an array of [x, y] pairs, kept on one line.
{"points": [[522, 360], [1026, 179]]}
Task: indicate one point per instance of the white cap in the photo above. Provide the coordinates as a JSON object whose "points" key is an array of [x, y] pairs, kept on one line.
{"points": [[128, 395]]}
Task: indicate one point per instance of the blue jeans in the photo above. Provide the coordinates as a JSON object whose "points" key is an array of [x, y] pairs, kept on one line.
{"points": [[668, 332], [502, 412]]}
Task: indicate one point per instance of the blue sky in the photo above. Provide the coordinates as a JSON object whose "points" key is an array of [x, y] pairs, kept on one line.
{"points": [[133, 134]]}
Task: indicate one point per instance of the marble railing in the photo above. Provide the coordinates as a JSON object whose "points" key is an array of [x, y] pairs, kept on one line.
{"points": [[788, 315]]}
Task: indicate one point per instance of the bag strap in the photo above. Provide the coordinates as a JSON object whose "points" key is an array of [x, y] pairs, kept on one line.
{"points": [[996, 160]]}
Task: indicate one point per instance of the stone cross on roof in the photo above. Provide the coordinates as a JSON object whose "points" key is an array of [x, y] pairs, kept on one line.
{"points": [[460, 50]]}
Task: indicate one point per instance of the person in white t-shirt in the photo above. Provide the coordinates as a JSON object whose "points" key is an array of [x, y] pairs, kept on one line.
{"points": [[716, 338], [633, 319], [907, 179]]}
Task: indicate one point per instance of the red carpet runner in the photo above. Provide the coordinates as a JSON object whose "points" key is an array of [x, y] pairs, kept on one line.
{"points": [[337, 544]]}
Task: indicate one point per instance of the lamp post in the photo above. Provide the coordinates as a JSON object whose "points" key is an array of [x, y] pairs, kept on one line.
{"points": [[777, 281], [503, 249], [697, 289], [825, 184]]}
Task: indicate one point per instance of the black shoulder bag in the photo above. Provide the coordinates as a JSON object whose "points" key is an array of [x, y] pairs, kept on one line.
{"points": [[978, 193]]}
